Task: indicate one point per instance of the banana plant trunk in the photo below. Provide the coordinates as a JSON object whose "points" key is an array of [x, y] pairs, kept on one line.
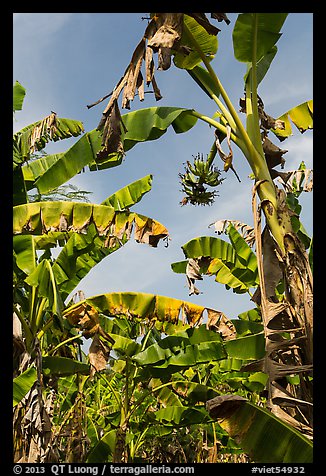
{"points": [[288, 324]]}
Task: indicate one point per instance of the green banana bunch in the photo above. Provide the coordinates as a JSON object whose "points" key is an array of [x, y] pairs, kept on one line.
{"points": [[204, 171], [196, 175]]}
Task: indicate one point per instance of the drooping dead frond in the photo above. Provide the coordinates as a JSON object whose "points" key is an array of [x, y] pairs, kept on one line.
{"points": [[162, 36], [46, 128], [247, 232], [298, 181]]}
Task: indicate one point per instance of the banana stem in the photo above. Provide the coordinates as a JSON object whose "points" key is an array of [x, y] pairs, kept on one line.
{"points": [[252, 151]]}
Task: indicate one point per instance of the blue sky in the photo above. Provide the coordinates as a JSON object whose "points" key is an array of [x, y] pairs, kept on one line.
{"points": [[68, 60]]}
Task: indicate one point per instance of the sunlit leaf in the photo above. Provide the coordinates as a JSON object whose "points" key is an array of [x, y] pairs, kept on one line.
{"points": [[18, 96], [23, 383]]}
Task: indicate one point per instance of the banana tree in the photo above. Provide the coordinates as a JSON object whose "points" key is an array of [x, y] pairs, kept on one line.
{"points": [[190, 365], [193, 41], [87, 234], [190, 39]]}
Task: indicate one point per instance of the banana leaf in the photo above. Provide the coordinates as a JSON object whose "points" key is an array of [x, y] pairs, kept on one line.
{"points": [[25, 253], [63, 366], [130, 194], [23, 383], [18, 96], [263, 436], [208, 44], [182, 416], [261, 34], [263, 65], [199, 345], [194, 392], [140, 306], [143, 125], [63, 128], [103, 449], [42, 217], [301, 116], [204, 80], [43, 279], [234, 265], [19, 187]]}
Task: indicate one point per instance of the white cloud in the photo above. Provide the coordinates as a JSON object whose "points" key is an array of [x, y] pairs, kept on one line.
{"points": [[300, 148], [36, 25]]}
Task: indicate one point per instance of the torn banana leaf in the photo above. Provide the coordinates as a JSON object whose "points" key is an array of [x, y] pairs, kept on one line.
{"points": [[301, 116], [264, 437], [234, 264], [43, 217], [142, 306], [90, 233], [35, 136], [143, 125], [247, 232]]}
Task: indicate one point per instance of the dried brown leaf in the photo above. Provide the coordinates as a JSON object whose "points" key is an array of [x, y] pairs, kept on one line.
{"points": [[98, 355], [166, 37], [220, 17], [271, 265], [224, 405], [273, 154], [247, 232], [220, 323]]}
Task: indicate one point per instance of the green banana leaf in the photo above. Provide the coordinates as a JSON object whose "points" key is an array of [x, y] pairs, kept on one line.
{"points": [[182, 416], [18, 96], [63, 366], [204, 80], [194, 392], [164, 394], [130, 194], [208, 44], [301, 116], [246, 256], [124, 345], [251, 315], [263, 65], [103, 449], [199, 345], [23, 383], [234, 265], [182, 357], [25, 253], [264, 437], [43, 279], [142, 125], [36, 168], [19, 187], [81, 252], [263, 34]]}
